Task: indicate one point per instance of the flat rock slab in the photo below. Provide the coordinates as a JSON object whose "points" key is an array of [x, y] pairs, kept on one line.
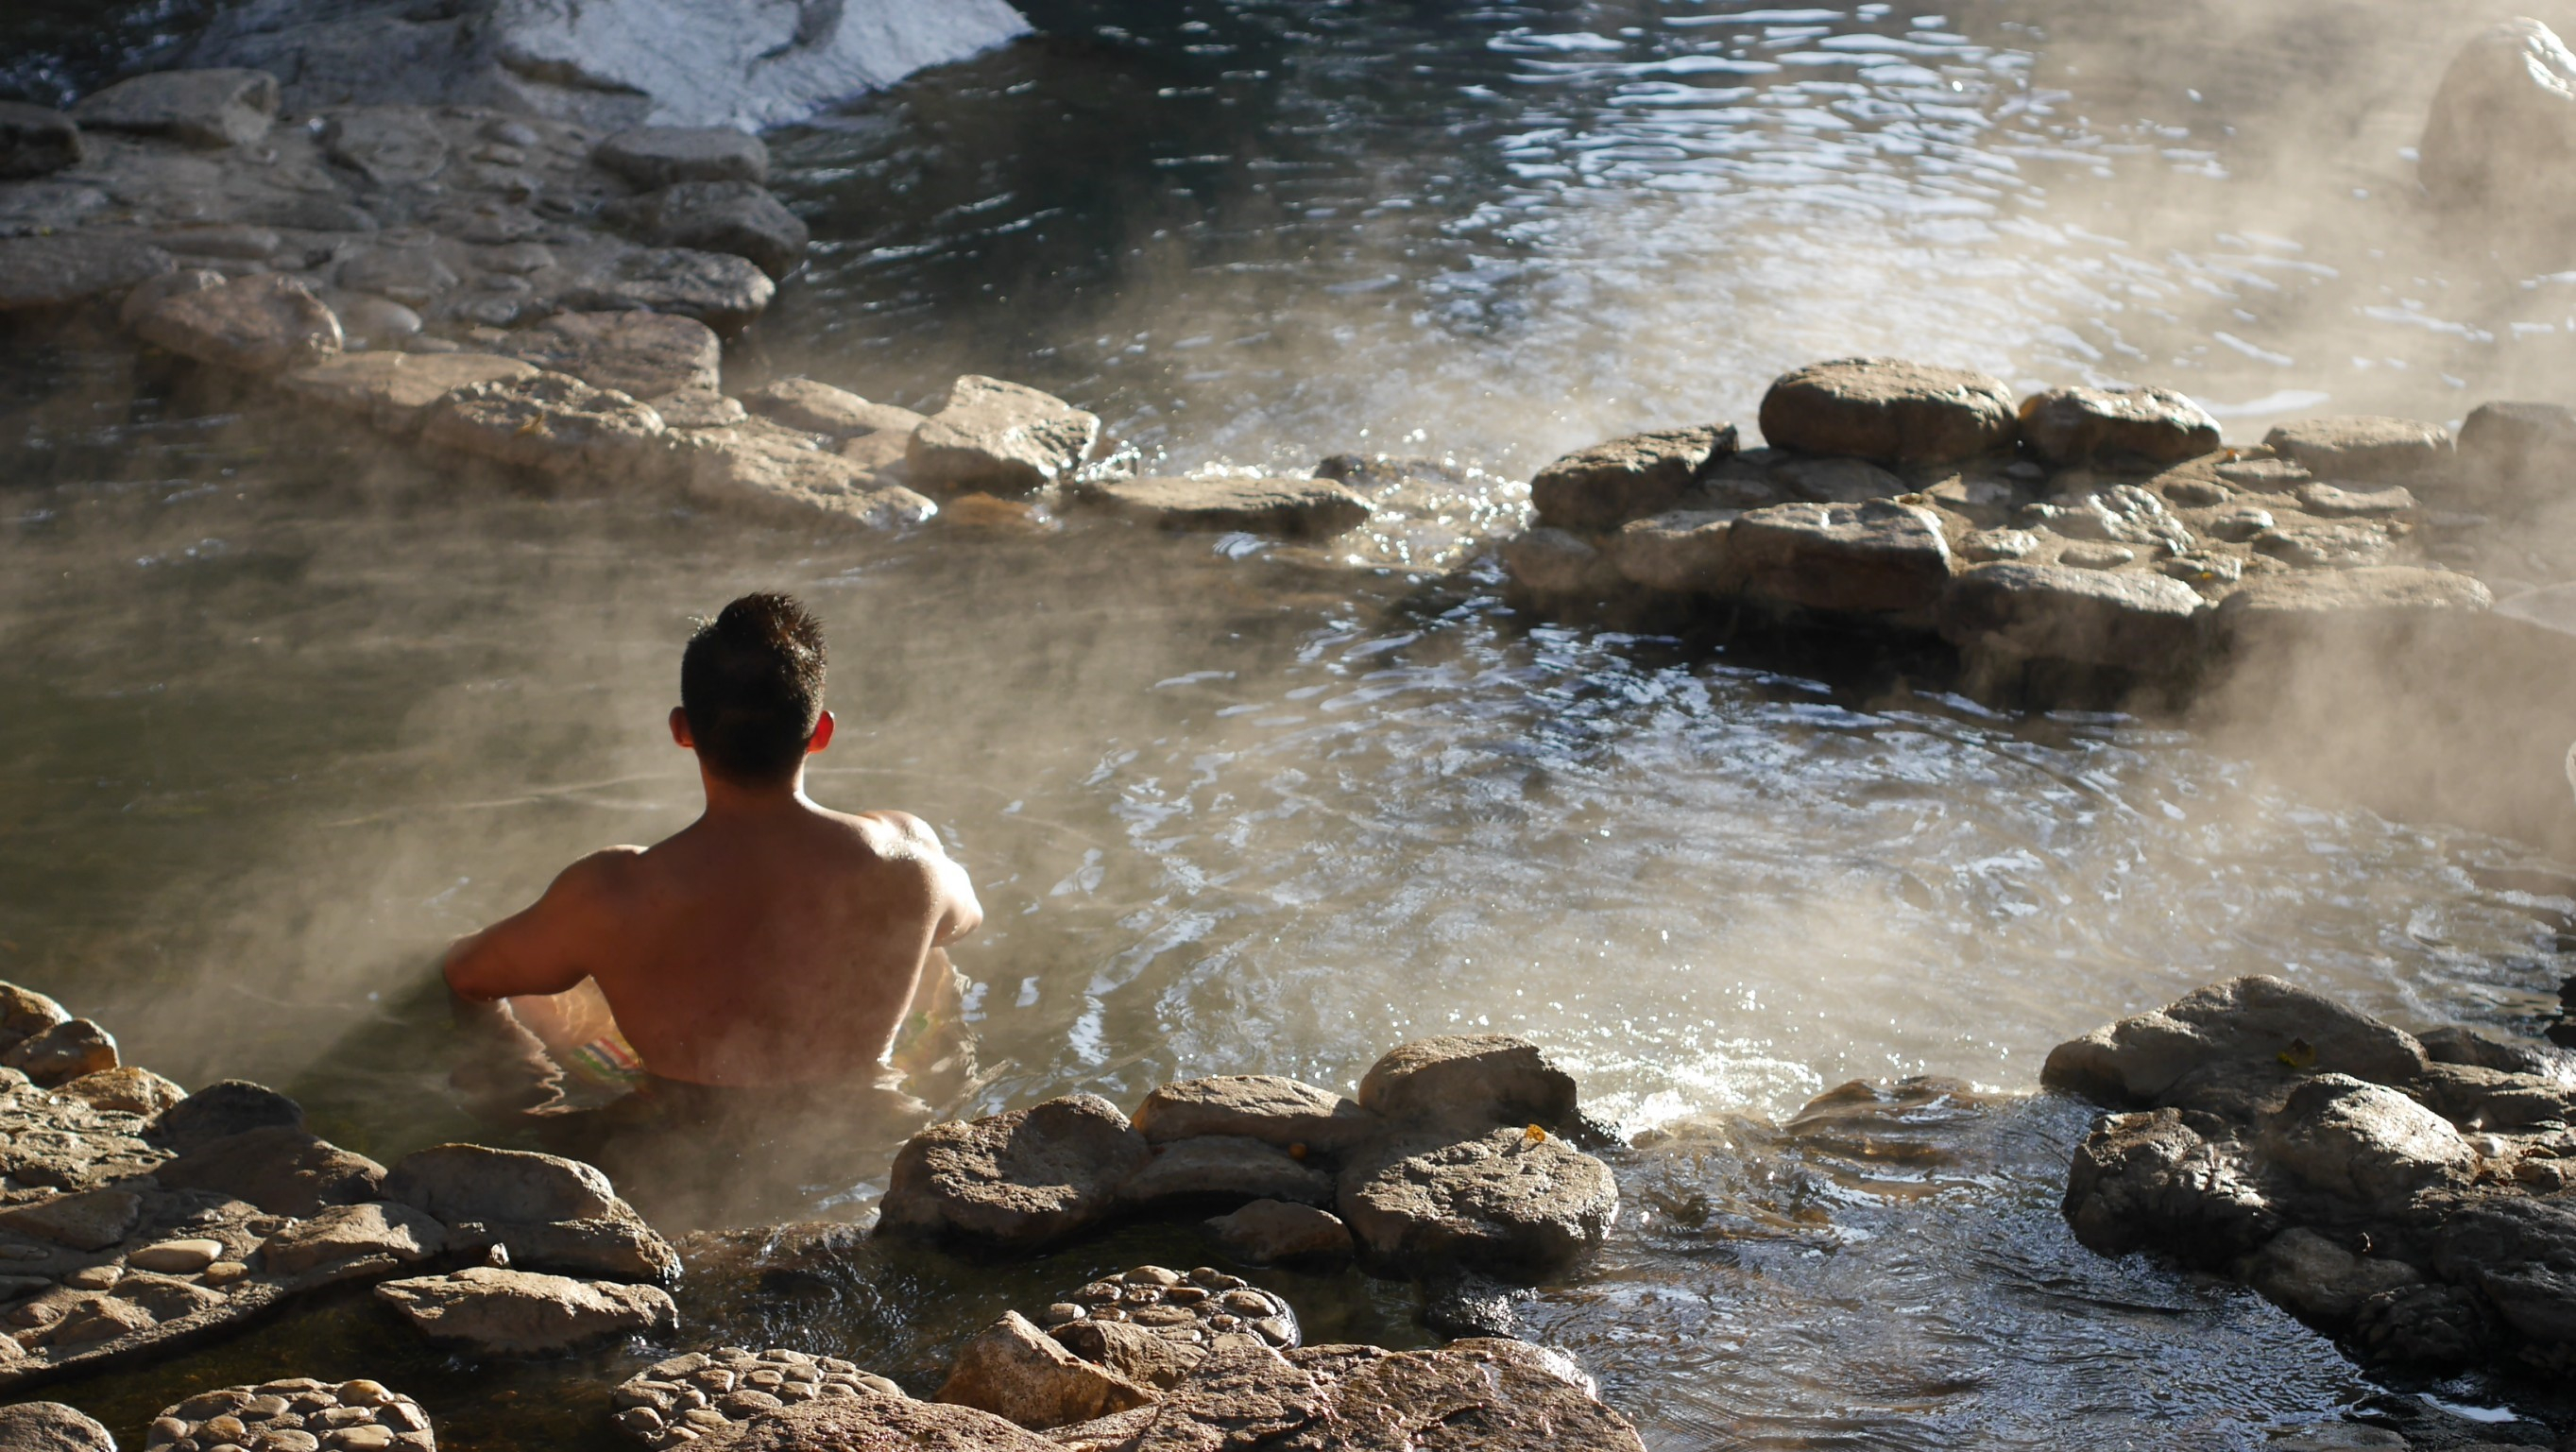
{"points": [[1470, 1082], [281, 1170], [51, 1427], [1227, 1167], [763, 470], [1267, 1107], [1512, 1201], [1605, 486], [1000, 438], [2153, 426], [548, 1210], [2377, 597], [36, 141], [1888, 411], [1268, 1232], [387, 1235], [1296, 508], [2377, 450], [2128, 620], [394, 390], [1561, 564], [52, 272], [679, 1400], [1022, 1375], [819, 408], [211, 108], [1681, 551], [736, 217], [1844, 559], [642, 355], [1026, 1179], [2344, 546], [493, 1312], [552, 423], [266, 323], [657, 156], [2333, 501]]}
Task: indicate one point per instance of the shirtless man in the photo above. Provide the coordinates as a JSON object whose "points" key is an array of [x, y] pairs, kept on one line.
{"points": [[772, 942]]}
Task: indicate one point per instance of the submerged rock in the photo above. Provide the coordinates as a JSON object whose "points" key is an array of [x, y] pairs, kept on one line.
{"points": [[1277, 1232], [642, 355], [1023, 1375], [2502, 126], [1297, 508], [2377, 450], [1888, 411], [491, 1312], [211, 108], [1512, 1200], [2156, 426], [1605, 486], [1000, 438], [267, 323], [1027, 1178]]}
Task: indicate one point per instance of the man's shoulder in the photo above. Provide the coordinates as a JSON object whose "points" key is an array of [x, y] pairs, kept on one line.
{"points": [[896, 836], [605, 873]]}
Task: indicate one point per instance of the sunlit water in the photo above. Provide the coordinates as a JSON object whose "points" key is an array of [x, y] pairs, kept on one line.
{"points": [[285, 712]]}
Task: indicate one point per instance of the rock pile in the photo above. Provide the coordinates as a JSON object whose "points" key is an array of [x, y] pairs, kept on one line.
{"points": [[2410, 1195], [298, 1414], [686, 1398], [1453, 1156]]}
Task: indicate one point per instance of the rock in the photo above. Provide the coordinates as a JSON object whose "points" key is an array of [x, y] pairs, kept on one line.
{"points": [[548, 1210], [393, 391], [1851, 559], [25, 1012], [389, 145], [1470, 1082], [416, 275], [2518, 453], [1268, 1232], [2517, 1252], [50, 1427], [62, 1053], [2321, 1282], [2238, 523], [128, 1089], [1493, 1396], [88, 1220], [2093, 555], [36, 141], [2205, 573], [1296, 508], [2330, 502], [176, 1257], [716, 288], [221, 1110], [1022, 1375], [282, 1170], [51, 272], [1141, 1355], [1385, 471], [2504, 115], [819, 408], [727, 1386], [267, 323], [211, 108], [1987, 545], [1266, 1107], [2363, 1144], [2247, 1023], [1505, 1202], [642, 355], [1836, 481], [2196, 493], [368, 322], [2120, 514], [2149, 1179], [1680, 552], [2154, 426], [380, 1236], [698, 408], [297, 1414], [490, 1312], [761, 469], [872, 1420], [2372, 597], [551, 423], [1202, 1309], [2376, 450], [1226, 1167], [657, 156], [2130, 621], [1556, 563], [1025, 1179], [2270, 476], [1887, 411], [716, 216], [1001, 438], [1605, 486], [2325, 546], [2453, 1044]]}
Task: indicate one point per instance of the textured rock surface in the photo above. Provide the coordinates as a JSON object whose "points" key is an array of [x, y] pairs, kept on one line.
{"points": [[1268, 1232], [1019, 1373], [1469, 1082], [493, 1312], [1026, 1178], [819, 408], [62, 1052], [738, 217], [1296, 508], [1560, 564], [2372, 597], [1682, 551], [2516, 454], [1231, 1168], [2059, 612], [550, 423], [2138, 425], [1202, 1309], [394, 390], [1000, 438], [2250, 1021], [876, 1421], [267, 323], [548, 1210], [281, 1170], [126, 1089], [229, 1107], [2504, 115], [51, 1427], [387, 1235], [1887, 410], [657, 156], [1605, 486], [686, 1398], [2378, 450], [1510, 1201], [763, 470], [1844, 559], [642, 355], [1266, 1107], [215, 108], [296, 1414]]}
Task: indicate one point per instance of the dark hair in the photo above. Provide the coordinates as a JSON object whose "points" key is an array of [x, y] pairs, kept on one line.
{"points": [[751, 682]]}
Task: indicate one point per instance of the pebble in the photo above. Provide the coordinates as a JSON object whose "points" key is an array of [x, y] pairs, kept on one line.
{"points": [[2198, 493], [2092, 555], [177, 1257], [94, 1277]]}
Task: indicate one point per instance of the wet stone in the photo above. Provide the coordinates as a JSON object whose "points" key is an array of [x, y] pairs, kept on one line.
{"points": [[1681, 551], [2128, 620], [1562, 565], [1511, 1201], [1887, 411], [301, 1415], [389, 145], [1836, 481], [208, 108], [642, 355], [281, 1170], [36, 141], [519, 1313], [268, 323], [393, 390], [2377, 450], [1001, 438], [48, 272], [1024, 1178], [657, 156], [702, 1391], [736, 217], [1605, 486], [1296, 508], [819, 408], [1851, 559], [718, 289], [2114, 425]]}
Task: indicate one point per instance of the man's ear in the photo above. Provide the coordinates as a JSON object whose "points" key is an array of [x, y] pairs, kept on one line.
{"points": [[680, 727], [822, 736]]}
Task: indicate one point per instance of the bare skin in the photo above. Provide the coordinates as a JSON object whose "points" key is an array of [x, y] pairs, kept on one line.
{"points": [[772, 941]]}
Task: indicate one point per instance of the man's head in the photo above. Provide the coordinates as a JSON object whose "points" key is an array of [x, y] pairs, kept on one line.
{"points": [[751, 690]]}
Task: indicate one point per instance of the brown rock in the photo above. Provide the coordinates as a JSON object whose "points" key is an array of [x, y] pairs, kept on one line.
{"points": [[2378, 450], [1022, 1375], [1140, 1354], [267, 323], [90, 1220], [62, 1053], [128, 1090], [737, 217], [220, 1110], [1225, 1167], [551, 423], [2131, 620], [2068, 426], [1266, 1107], [1470, 1082], [2373, 597], [548, 1210], [282, 1170], [1680, 552], [763, 470], [1268, 1232], [873, 1421], [24, 1011], [380, 1236], [1026, 1178], [642, 355], [1505, 1202], [1855, 559], [1888, 411], [1295, 508], [1605, 486], [393, 391], [2505, 115], [515, 1313], [1002, 438], [1559, 564], [819, 408], [51, 1427]]}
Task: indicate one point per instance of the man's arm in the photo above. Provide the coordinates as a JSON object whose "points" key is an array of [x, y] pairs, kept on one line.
{"points": [[550, 946]]}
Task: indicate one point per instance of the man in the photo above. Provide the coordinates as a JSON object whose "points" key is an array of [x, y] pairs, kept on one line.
{"points": [[771, 943]]}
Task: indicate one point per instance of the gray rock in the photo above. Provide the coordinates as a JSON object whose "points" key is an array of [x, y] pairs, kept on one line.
{"points": [[211, 108], [2378, 597], [642, 355], [1225, 1167], [2152, 426], [2453, 1044], [370, 322], [2364, 1145], [2127, 620], [2503, 119], [1268, 1232], [2095, 555], [1266, 1107], [381, 1236], [491, 1312], [62, 1053], [1836, 481], [658, 156], [2248, 1023], [716, 216], [1560, 564], [2518, 1252], [1505, 1202], [282, 1170], [1680, 552], [819, 408], [36, 141], [762, 470], [2326, 546], [1470, 1082], [86, 1220], [416, 275], [1295, 508], [2375, 450], [718, 289], [2518, 453], [51, 1427], [2120, 514], [2270, 476], [1887, 411], [1851, 559], [2319, 1281], [1019, 1373], [2150, 1179], [388, 145], [1605, 486], [1027, 1178], [548, 1210], [1000, 438], [550, 423], [52, 272], [221, 1110], [394, 390], [267, 323], [2237, 523]]}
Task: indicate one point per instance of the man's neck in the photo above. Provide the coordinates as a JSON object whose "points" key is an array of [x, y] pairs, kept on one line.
{"points": [[734, 799]]}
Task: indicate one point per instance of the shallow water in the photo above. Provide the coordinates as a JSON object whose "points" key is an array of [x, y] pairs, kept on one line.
{"points": [[287, 713]]}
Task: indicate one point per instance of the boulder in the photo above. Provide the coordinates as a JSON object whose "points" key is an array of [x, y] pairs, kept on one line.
{"points": [[552, 423], [2518, 453], [1296, 508], [86, 1220], [876, 1421], [658, 156], [2151, 426], [2150, 1179], [1888, 411], [548, 1210], [1681, 552], [1266, 1107], [52, 272], [393, 391], [1000, 438], [24, 1011], [2502, 122], [51, 1427], [760, 469], [221, 1110], [819, 408], [2128, 620], [1512, 1201], [127, 1089], [1141, 1354], [1278, 1232], [282, 1170], [1228, 1167], [738, 217], [2248, 1024], [2363, 1145], [1605, 486], [348, 1237], [2376, 597], [1025, 1179], [642, 355], [490, 1312], [1847, 559], [1019, 1373], [2319, 1281], [36, 141], [2375, 450], [210, 108], [1470, 1082], [721, 290], [1560, 564], [62, 1053], [265, 323]]}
